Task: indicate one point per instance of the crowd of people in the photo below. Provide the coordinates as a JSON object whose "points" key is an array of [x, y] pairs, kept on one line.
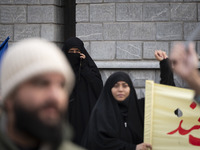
{"points": [[46, 93]]}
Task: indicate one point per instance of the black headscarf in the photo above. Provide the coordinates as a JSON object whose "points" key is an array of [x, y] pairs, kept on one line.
{"points": [[87, 89], [75, 42], [115, 125]]}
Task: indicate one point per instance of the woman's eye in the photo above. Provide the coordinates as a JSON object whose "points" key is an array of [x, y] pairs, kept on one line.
{"points": [[125, 85], [116, 85]]}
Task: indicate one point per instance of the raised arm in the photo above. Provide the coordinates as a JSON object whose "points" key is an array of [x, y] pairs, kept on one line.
{"points": [[166, 73]]}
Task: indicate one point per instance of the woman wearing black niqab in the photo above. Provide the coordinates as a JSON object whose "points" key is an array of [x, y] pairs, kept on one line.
{"points": [[87, 89], [117, 120]]}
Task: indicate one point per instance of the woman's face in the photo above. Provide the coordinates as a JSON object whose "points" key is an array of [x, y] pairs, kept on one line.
{"points": [[120, 90]]}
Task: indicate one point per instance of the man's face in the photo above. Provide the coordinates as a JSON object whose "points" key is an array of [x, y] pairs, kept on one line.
{"points": [[45, 96], [39, 105]]}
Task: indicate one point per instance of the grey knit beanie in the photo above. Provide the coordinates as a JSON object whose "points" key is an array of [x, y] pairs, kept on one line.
{"points": [[31, 57]]}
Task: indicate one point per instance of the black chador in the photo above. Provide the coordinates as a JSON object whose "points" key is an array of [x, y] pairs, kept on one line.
{"points": [[118, 125], [87, 89]]}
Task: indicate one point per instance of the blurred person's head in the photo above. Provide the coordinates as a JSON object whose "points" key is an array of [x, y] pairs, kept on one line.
{"points": [[36, 81]]}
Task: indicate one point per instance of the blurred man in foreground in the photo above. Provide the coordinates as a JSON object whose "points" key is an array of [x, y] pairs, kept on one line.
{"points": [[36, 81]]}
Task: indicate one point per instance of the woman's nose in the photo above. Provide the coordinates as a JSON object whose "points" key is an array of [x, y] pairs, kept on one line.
{"points": [[120, 88]]}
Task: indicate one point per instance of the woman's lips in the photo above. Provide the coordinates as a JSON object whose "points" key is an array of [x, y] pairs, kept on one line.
{"points": [[120, 95]]}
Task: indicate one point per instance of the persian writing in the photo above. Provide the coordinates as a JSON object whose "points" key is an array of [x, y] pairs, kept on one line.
{"points": [[192, 140]]}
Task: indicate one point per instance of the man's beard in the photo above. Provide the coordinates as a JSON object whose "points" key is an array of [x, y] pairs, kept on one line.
{"points": [[29, 124]]}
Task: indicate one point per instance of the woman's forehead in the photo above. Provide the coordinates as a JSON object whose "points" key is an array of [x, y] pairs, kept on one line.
{"points": [[121, 82]]}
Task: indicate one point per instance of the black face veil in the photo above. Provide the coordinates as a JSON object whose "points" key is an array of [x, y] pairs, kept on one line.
{"points": [[107, 128], [87, 89], [75, 42]]}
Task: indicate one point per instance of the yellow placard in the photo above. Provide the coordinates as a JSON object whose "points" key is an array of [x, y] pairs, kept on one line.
{"points": [[172, 118]]}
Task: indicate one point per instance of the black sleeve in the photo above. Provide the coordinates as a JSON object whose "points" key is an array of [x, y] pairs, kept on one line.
{"points": [[141, 105], [110, 143], [123, 145], [166, 73], [93, 77]]}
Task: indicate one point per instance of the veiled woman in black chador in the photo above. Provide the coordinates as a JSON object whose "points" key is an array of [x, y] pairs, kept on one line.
{"points": [[87, 89], [117, 120]]}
